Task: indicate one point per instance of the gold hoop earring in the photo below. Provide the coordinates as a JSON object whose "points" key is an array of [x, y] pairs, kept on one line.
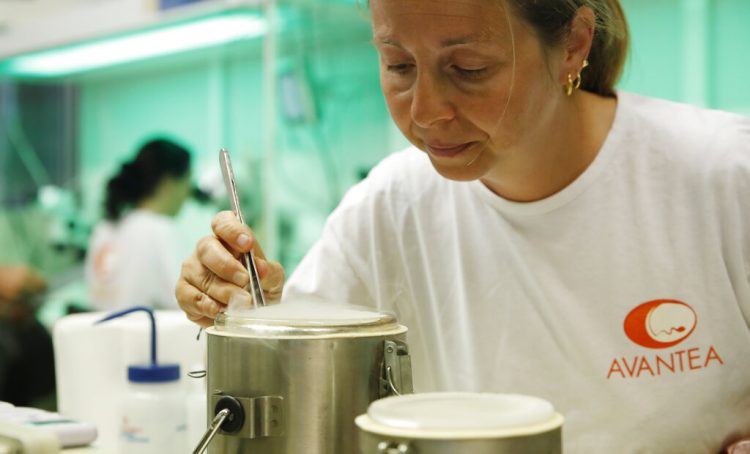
{"points": [[569, 86], [575, 84], [572, 84]]}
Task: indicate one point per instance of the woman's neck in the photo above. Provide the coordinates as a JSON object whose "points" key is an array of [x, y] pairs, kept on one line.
{"points": [[552, 159]]}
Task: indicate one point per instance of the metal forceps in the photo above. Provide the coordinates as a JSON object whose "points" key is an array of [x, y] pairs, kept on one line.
{"points": [[248, 259]]}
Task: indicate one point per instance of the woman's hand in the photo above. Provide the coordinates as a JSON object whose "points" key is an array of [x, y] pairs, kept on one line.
{"points": [[214, 275]]}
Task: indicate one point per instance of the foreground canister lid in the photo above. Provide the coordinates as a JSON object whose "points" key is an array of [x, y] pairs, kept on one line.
{"points": [[313, 318], [460, 416]]}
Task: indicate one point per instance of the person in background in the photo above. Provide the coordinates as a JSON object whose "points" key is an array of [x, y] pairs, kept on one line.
{"points": [[547, 234], [18, 281], [132, 257], [27, 373]]}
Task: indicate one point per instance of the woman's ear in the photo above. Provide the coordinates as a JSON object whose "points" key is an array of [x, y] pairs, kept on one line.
{"points": [[578, 44]]}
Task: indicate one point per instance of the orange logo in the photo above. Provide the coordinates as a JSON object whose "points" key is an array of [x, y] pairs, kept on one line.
{"points": [[660, 323]]}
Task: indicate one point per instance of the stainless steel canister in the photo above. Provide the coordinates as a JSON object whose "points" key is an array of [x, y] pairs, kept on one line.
{"points": [[466, 423], [294, 379]]}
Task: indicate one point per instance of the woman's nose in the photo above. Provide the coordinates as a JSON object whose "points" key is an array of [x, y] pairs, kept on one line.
{"points": [[429, 103]]}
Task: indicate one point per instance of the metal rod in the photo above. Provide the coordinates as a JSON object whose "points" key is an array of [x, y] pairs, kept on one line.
{"points": [[248, 259], [211, 432]]}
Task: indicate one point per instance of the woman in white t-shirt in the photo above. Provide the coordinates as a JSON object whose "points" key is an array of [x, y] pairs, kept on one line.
{"points": [[132, 257], [546, 235]]}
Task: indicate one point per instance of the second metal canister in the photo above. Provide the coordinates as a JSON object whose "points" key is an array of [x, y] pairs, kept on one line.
{"points": [[466, 423]]}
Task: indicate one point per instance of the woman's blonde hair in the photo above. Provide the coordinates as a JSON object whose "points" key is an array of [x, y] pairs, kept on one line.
{"points": [[551, 19]]}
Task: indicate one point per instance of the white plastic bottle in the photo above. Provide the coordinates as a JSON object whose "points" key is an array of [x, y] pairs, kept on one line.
{"points": [[152, 414]]}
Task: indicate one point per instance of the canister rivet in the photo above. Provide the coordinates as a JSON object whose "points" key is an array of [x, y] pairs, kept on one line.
{"points": [[385, 447]]}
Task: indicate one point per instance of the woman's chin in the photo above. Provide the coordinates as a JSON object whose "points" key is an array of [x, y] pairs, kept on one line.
{"points": [[457, 173], [467, 169]]}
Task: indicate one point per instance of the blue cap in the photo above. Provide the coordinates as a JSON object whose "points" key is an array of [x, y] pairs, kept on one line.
{"points": [[148, 373], [153, 373]]}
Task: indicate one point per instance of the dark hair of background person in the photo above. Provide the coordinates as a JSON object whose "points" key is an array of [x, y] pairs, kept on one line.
{"points": [[139, 178], [551, 20]]}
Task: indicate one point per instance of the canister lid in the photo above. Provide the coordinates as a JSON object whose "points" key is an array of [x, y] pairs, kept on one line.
{"points": [[312, 318], [459, 415]]}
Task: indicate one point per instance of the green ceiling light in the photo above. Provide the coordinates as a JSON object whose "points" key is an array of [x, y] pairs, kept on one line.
{"points": [[170, 39]]}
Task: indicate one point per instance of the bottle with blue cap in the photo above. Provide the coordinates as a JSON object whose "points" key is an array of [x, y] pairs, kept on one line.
{"points": [[153, 412]]}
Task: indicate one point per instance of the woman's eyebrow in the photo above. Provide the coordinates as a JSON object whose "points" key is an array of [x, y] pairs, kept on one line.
{"points": [[388, 41], [459, 41]]}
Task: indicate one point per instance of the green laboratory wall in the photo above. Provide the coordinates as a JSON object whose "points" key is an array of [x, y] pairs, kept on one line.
{"points": [[205, 104], [215, 100], [694, 51], [729, 60]]}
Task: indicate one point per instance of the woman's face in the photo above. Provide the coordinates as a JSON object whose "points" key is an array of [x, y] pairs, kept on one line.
{"points": [[454, 84], [180, 191]]}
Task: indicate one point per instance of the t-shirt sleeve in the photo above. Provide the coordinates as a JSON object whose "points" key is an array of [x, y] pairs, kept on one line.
{"points": [[732, 140], [326, 274], [330, 271], [744, 191]]}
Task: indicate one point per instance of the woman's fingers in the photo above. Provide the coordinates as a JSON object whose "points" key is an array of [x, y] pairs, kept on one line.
{"points": [[202, 294], [213, 276], [217, 260], [210, 284], [271, 278], [204, 322], [235, 234], [196, 304]]}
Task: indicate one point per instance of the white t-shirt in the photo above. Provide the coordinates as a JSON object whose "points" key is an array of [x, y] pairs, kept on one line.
{"points": [[624, 299], [133, 262]]}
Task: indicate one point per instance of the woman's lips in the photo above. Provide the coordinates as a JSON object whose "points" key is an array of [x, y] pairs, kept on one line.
{"points": [[447, 151]]}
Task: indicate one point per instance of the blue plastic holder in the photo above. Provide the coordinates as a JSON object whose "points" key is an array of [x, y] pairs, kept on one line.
{"points": [[149, 373]]}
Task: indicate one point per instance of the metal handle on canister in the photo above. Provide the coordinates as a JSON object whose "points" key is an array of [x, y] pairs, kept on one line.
{"points": [[213, 428], [392, 447], [396, 376]]}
